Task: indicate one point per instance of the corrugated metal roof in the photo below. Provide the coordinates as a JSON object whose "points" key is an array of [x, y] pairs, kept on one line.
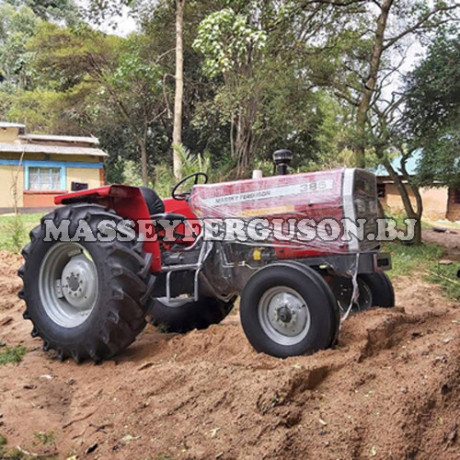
{"points": [[52, 137], [51, 149], [6, 124], [411, 165]]}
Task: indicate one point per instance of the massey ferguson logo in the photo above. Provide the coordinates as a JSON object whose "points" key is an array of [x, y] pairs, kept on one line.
{"points": [[275, 192]]}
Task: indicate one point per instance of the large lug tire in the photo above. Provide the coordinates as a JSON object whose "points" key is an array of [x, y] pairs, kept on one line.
{"points": [[288, 309], [375, 290], [383, 294], [183, 316], [86, 299]]}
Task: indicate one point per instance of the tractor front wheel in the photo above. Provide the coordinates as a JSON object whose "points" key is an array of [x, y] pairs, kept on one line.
{"points": [[287, 310]]}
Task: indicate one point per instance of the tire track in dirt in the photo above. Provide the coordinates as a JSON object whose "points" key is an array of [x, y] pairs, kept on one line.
{"points": [[390, 389]]}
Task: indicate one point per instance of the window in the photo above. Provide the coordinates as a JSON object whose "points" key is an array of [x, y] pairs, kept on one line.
{"points": [[381, 190], [45, 178], [456, 195]]}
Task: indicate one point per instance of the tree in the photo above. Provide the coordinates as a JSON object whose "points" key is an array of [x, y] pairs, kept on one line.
{"points": [[17, 26], [101, 72], [52, 10], [433, 111], [232, 47], [388, 139], [370, 78], [179, 93], [371, 51]]}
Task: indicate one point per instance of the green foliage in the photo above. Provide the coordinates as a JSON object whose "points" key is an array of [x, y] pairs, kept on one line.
{"points": [[433, 111], [3, 440], [259, 76], [17, 26], [14, 230], [164, 180], [131, 173], [193, 163], [408, 258], [37, 108], [12, 355], [424, 259], [446, 276], [50, 10], [227, 41]]}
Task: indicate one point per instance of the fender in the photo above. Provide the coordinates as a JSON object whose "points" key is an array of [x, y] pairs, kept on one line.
{"points": [[127, 202]]}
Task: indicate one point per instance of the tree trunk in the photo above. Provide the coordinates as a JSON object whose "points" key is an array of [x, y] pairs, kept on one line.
{"points": [[247, 137], [418, 232], [145, 174], [411, 213], [244, 149], [178, 99], [371, 82]]}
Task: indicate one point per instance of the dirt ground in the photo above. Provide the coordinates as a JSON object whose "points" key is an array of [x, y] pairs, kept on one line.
{"points": [[390, 390]]}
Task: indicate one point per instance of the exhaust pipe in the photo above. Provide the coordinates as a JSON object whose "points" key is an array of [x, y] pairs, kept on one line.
{"points": [[282, 159]]}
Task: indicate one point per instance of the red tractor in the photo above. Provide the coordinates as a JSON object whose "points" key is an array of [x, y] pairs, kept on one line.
{"points": [[111, 257]]}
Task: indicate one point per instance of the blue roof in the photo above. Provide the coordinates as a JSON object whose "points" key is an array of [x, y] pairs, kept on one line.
{"points": [[411, 165]]}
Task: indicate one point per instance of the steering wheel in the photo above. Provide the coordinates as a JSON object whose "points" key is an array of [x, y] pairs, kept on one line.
{"points": [[185, 195]]}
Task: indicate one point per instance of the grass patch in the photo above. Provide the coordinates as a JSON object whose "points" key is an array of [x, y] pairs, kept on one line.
{"points": [[9, 454], [446, 276], [14, 230], [407, 258], [424, 259], [12, 355], [14, 454], [44, 438]]}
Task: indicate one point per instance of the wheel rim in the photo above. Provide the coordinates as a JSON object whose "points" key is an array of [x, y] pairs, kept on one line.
{"points": [[284, 315], [365, 296], [344, 290], [68, 284]]}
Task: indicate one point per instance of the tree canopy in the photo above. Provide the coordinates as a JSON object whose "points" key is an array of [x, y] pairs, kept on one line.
{"points": [[318, 77], [433, 111]]}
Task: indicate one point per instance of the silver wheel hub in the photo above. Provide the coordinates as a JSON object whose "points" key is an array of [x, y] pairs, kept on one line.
{"points": [[78, 283], [68, 284], [284, 315]]}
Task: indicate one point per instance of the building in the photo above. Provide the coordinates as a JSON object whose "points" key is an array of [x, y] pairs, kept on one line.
{"points": [[439, 201], [34, 168]]}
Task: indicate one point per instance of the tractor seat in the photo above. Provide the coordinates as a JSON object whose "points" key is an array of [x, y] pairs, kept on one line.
{"points": [[157, 212], [154, 203]]}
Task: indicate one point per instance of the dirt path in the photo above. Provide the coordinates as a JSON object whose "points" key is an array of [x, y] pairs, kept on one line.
{"points": [[389, 390]]}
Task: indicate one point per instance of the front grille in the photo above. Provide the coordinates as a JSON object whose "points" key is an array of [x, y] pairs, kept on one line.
{"points": [[365, 200]]}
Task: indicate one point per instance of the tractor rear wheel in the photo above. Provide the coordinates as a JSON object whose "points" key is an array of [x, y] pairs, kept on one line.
{"points": [[86, 298], [287, 309], [375, 290], [182, 315]]}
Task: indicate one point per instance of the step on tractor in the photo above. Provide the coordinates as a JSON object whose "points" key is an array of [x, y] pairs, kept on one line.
{"points": [[108, 260]]}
